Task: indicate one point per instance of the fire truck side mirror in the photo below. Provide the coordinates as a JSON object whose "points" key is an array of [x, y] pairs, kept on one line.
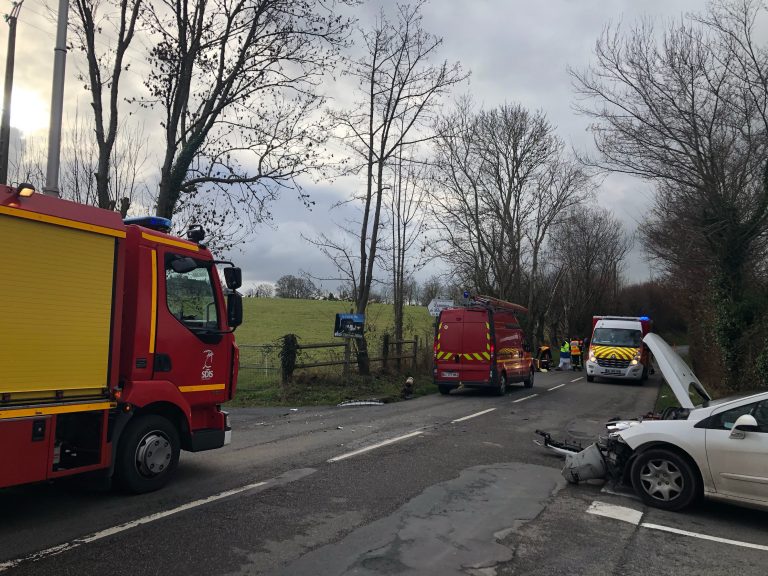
{"points": [[234, 309], [233, 276]]}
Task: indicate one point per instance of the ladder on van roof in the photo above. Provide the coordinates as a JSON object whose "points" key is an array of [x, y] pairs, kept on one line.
{"points": [[497, 304]]}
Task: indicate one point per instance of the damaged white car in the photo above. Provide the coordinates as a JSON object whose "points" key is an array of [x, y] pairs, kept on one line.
{"points": [[718, 449]]}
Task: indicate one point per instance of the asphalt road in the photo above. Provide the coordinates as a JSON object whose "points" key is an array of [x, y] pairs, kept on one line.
{"points": [[292, 495]]}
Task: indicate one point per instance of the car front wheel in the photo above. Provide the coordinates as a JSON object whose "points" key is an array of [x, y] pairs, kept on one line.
{"points": [[664, 479]]}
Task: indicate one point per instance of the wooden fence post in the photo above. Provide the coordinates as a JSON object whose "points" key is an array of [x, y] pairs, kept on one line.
{"points": [[415, 351], [384, 352], [345, 368]]}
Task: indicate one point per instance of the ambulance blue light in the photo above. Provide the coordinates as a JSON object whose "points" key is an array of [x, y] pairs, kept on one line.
{"points": [[644, 318], [151, 222]]}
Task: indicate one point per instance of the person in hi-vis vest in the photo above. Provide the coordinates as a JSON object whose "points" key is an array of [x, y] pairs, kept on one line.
{"points": [[565, 355]]}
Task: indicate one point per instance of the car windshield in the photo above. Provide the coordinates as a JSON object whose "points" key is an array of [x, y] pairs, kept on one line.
{"points": [[617, 337]]}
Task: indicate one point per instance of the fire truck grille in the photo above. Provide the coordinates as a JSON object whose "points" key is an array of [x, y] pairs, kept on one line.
{"points": [[612, 363]]}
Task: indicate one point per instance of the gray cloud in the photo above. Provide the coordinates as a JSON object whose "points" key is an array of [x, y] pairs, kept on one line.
{"points": [[517, 50]]}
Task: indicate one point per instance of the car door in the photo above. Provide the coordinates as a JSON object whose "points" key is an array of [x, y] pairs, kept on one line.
{"points": [[739, 467]]}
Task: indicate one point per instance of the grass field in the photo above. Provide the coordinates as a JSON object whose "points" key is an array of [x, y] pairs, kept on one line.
{"points": [[268, 319]]}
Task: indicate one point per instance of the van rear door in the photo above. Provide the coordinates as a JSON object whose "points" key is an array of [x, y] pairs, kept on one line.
{"points": [[463, 345]]}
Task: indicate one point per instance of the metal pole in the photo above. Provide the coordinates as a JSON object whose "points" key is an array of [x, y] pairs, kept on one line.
{"points": [[5, 125], [57, 102]]}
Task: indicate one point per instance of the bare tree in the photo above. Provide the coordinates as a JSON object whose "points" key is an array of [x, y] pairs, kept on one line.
{"points": [[687, 109], [404, 207], [290, 286], [501, 181], [28, 162], [93, 20], [431, 289], [237, 86], [264, 290], [591, 266], [79, 161], [400, 86]]}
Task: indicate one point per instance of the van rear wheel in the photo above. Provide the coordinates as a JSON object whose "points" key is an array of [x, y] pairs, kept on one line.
{"points": [[528, 382], [500, 391]]}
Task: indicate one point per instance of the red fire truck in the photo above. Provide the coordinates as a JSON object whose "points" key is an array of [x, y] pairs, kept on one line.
{"points": [[116, 342]]}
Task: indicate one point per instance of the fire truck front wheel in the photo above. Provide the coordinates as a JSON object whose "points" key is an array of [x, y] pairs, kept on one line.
{"points": [[147, 454]]}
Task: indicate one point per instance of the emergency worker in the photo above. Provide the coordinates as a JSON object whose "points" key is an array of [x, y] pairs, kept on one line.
{"points": [[575, 354], [544, 358], [565, 355]]}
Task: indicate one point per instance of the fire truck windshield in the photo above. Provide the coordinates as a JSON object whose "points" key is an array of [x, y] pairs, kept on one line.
{"points": [[617, 337]]}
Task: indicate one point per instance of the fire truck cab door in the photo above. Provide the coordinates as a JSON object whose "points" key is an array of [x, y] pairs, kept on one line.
{"points": [[189, 350]]}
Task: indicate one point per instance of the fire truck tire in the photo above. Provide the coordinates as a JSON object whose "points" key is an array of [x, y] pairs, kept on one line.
{"points": [[443, 389], [147, 455]]}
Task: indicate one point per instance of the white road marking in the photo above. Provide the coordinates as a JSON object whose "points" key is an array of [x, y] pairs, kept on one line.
{"points": [[77, 542], [704, 536], [472, 415], [555, 387], [374, 446], [577, 379], [632, 516], [616, 512], [525, 398]]}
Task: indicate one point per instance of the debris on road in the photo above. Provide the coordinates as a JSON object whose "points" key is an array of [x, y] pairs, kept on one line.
{"points": [[371, 402]]}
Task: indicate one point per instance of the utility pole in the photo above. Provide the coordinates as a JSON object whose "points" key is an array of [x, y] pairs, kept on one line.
{"points": [[57, 102], [5, 125]]}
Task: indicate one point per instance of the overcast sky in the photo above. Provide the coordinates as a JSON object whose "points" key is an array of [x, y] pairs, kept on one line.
{"points": [[516, 50]]}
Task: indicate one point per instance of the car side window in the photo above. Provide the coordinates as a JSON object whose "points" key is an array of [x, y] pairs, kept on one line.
{"points": [[761, 415], [725, 420]]}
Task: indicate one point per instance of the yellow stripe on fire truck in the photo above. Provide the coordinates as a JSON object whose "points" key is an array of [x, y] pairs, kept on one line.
{"points": [[614, 352]]}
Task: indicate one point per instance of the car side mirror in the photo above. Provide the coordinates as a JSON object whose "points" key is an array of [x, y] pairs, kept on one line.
{"points": [[744, 423], [234, 309], [233, 277]]}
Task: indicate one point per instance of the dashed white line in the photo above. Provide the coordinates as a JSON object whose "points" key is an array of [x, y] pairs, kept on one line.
{"points": [[577, 379], [704, 536], [77, 542], [524, 398], [374, 446], [616, 512], [555, 387], [475, 415]]}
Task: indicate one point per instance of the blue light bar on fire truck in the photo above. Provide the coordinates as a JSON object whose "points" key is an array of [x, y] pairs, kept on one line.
{"points": [[151, 222]]}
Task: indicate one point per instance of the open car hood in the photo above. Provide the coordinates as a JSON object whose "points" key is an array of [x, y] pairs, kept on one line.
{"points": [[676, 372]]}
